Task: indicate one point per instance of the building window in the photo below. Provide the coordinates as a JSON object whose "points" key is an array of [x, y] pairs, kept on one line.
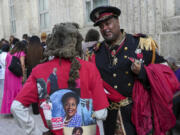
{"points": [[12, 17], [91, 4], [43, 14]]}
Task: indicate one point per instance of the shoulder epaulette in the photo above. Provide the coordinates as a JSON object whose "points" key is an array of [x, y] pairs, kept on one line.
{"points": [[147, 44], [97, 46]]}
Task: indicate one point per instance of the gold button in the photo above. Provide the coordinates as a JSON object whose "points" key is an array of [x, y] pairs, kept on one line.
{"points": [[126, 72], [125, 48], [129, 84], [125, 56], [115, 86], [114, 75]]}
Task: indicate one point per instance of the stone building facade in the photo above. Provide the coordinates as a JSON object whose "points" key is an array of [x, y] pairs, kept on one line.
{"points": [[158, 18]]}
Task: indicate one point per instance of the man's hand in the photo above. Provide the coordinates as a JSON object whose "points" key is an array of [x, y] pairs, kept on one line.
{"points": [[136, 67]]}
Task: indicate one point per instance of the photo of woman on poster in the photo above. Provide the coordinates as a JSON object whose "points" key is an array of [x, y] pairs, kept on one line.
{"points": [[42, 88], [77, 131], [69, 110], [70, 102]]}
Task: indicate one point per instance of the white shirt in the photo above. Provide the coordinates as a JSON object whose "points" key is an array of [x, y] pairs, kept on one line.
{"points": [[2, 64]]}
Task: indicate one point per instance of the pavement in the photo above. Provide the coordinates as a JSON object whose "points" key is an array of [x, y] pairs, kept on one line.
{"points": [[8, 125]]}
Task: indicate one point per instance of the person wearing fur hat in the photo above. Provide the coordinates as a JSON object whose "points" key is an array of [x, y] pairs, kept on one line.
{"points": [[128, 65], [64, 43]]}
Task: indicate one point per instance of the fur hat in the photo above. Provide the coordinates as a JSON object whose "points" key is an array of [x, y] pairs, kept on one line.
{"points": [[64, 41]]}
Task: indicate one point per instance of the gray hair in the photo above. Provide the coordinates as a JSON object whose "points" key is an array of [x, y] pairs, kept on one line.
{"points": [[171, 60]]}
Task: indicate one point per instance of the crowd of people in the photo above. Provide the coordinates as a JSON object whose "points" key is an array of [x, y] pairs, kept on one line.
{"points": [[29, 51], [130, 84]]}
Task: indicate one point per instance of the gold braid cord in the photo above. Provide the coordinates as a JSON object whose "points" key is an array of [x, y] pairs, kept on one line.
{"points": [[88, 54], [98, 45], [122, 103], [120, 130], [148, 44]]}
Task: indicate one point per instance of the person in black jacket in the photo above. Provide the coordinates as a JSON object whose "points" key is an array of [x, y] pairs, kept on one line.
{"points": [[121, 58]]}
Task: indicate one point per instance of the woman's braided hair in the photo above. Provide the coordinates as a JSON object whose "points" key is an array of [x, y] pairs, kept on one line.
{"points": [[65, 42]]}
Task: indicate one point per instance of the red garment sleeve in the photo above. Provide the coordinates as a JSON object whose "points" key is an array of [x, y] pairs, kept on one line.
{"points": [[100, 100], [28, 93]]}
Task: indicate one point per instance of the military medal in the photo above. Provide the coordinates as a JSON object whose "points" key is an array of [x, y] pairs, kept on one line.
{"points": [[115, 61], [114, 58], [139, 55]]}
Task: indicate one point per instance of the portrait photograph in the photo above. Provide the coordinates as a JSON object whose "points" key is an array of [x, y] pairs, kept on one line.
{"points": [[69, 110], [84, 130]]}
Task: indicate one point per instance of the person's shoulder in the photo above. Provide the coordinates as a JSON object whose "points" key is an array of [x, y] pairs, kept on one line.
{"points": [[138, 35], [22, 53], [98, 46], [77, 117], [178, 71], [86, 64], [146, 42], [45, 65], [8, 54], [3, 54]]}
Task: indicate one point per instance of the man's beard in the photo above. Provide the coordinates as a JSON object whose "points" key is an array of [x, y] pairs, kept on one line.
{"points": [[112, 40]]}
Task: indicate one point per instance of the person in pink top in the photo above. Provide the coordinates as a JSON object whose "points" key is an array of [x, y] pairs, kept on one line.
{"points": [[12, 83]]}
